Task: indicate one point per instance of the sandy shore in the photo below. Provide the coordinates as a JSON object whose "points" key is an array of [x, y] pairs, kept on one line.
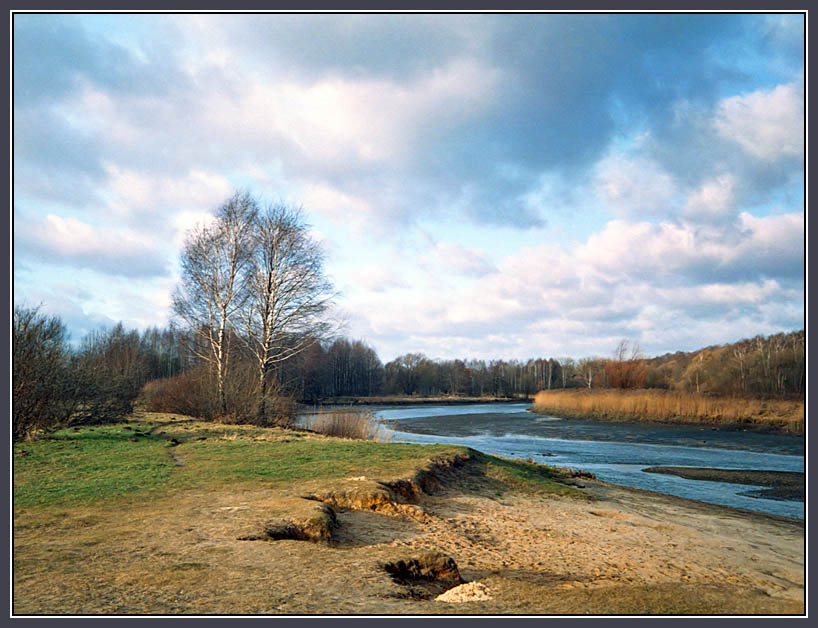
{"points": [[624, 552]]}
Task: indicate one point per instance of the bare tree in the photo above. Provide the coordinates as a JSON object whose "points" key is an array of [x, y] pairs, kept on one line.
{"points": [[588, 367], [568, 367], [213, 287], [42, 392], [288, 293]]}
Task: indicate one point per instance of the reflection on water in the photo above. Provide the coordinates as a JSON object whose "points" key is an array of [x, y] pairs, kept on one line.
{"points": [[616, 453]]}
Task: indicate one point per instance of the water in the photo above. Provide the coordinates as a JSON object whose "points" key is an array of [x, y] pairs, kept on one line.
{"points": [[616, 453]]}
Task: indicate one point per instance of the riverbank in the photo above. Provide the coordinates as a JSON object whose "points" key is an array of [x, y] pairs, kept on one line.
{"points": [[293, 523], [615, 452], [656, 406]]}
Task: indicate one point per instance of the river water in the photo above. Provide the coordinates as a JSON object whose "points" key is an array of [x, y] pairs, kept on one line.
{"points": [[614, 452]]}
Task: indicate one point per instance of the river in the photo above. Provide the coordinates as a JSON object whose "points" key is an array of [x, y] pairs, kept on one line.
{"points": [[614, 452]]}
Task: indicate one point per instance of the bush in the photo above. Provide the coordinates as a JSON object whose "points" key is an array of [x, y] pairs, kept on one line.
{"points": [[44, 394], [194, 393], [189, 393]]}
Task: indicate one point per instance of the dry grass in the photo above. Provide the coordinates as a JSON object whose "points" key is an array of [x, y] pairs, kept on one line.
{"points": [[348, 423], [655, 405]]}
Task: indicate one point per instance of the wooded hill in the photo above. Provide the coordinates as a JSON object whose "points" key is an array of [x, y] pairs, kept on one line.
{"points": [[760, 366]]}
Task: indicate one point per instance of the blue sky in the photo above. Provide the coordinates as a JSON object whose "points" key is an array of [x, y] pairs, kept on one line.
{"points": [[485, 186]]}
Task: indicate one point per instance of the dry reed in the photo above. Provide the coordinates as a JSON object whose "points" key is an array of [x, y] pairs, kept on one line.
{"points": [[674, 407], [348, 423]]}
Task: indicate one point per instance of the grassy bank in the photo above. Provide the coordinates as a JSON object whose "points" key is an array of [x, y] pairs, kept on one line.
{"points": [[158, 454], [773, 415]]}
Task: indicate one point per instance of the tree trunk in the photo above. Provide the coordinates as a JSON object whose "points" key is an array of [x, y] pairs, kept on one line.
{"points": [[262, 396]]}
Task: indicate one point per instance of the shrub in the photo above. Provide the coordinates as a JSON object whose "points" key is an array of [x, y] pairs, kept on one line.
{"points": [[43, 393], [194, 393], [189, 393], [55, 387]]}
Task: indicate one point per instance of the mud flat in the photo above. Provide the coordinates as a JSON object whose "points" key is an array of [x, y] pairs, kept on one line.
{"points": [[528, 424], [612, 551], [783, 485]]}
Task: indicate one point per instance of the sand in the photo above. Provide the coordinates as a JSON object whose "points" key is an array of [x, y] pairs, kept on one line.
{"points": [[625, 552]]}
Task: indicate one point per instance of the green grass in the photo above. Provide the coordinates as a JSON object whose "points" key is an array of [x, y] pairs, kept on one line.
{"points": [[88, 465], [527, 476], [300, 460], [97, 464]]}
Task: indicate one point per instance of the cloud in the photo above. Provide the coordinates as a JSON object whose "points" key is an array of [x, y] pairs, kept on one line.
{"points": [[71, 242], [377, 279], [634, 280], [768, 124], [136, 193], [768, 246], [462, 260], [713, 200], [635, 187], [669, 146]]}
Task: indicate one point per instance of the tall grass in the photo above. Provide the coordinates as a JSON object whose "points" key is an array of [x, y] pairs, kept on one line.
{"points": [[674, 407], [348, 423]]}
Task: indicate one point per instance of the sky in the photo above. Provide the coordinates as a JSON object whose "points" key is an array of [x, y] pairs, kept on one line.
{"points": [[483, 185]]}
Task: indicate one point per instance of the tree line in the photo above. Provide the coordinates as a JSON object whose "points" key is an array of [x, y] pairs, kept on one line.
{"points": [[109, 371], [251, 337]]}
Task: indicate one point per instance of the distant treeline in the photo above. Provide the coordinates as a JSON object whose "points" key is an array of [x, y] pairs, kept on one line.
{"points": [[773, 366], [55, 384]]}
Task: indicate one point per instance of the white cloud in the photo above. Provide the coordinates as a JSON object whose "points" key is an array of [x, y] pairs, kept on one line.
{"points": [[69, 241], [768, 124], [636, 280], [336, 204], [462, 260], [141, 191], [712, 200], [377, 279], [635, 187], [335, 120]]}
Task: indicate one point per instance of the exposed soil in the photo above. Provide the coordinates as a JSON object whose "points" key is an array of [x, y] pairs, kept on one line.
{"points": [[625, 552]]}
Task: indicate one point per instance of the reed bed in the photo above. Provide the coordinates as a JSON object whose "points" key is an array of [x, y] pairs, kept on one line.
{"points": [[777, 415], [348, 423]]}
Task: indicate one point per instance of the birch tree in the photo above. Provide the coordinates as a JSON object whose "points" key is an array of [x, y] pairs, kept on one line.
{"points": [[288, 293], [214, 260]]}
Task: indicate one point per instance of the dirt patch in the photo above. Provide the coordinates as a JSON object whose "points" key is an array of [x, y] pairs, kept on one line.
{"points": [[627, 552], [301, 520], [468, 592], [425, 576], [398, 496]]}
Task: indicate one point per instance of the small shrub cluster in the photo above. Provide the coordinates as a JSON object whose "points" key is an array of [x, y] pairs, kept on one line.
{"points": [[193, 393]]}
